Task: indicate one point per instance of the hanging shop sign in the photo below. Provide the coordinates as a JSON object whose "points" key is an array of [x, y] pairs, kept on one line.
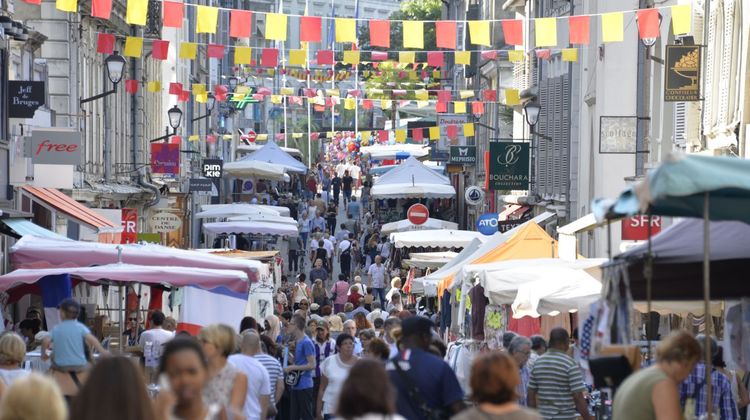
{"points": [[474, 195], [440, 150], [165, 158], [418, 214], [617, 134], [463, 155], [165, 222], [636, 228], [129, 220], [683, 73], [504, 226], [55, 147], [212, 168], [24, 98], [487, 224], [200, 185], [509, 166]]}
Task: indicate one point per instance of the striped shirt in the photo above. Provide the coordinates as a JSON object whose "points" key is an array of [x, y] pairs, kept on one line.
{"points": [[556, 377], [521, 389], [274, 372], [722, 399]]}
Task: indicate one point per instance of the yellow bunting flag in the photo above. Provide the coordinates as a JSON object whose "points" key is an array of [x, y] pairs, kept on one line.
{"points": [[350, 103], [365, 135], [199, 89], [194, 137], [136, 12], [133, 46], [206, 19], [570, 54], [351, 57], [469, 130], [413, 34], [422, 104], [227, 137], [385, 104], [346, 30], [479, 32], [682, 19], [464, 94], [459, 107], [546, 32], [296, 135], [188, 50], [421, 95], [287, 91], [276, 99], [515, 56], [333, 92], [242, 90], [463, 57], [67, 5], [436, 74], [612, 27], [298, 58], [406, 57], [201, 98], [243, 55], [276, 26], [400, 136], [512, 97], [261, 137], [154, 86], [434, 133]]}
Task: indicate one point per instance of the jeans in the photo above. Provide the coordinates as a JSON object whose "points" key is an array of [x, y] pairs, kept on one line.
{"points": [[336, 193], [379, 292], [293, 261], [347, 196], [303, 235], [302, 404]]}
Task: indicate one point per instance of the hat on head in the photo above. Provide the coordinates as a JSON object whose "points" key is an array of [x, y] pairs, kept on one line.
{"points": [[69, 305], [314, 307], [322, 325], [416, 325]]}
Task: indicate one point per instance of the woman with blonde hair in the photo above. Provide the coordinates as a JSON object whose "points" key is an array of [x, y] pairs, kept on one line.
{"points": [[12, 355], [319, 293], [335, 325], [33, 397], [226, 386], [395, 288], [273, 328]]}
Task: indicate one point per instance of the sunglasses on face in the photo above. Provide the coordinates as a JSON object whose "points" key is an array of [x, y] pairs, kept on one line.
{"points": [[134, 319]]}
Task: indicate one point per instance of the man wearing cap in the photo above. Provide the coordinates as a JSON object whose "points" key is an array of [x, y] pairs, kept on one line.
{"points": [[324, 346], [426, 386]]}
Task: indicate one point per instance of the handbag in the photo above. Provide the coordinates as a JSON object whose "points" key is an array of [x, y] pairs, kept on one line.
{"points": [[292, 378]]}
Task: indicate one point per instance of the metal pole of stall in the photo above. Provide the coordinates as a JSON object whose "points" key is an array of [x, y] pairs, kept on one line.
{"points": [[707, 301], [649, 274]]}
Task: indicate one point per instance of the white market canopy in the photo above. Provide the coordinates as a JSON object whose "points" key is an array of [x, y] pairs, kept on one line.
{"points": [[236, 209], [256, 169], [395, 151], [440, 238], [406, 226], [412, 179], [429, 259], [251, 227], [272, 153], [264, 218], [249, 148], [427, 285]]}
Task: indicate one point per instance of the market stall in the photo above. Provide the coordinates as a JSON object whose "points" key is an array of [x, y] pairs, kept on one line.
{"points": [[412, 179], [271, 153], [256, 169], [395, 151], [219, 211], [432, 260], [427, 285], [440, 238], [405, 226], [252, 227]]}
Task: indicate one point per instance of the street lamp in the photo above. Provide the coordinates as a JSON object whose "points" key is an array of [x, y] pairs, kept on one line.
{"points": [[233, 83], [210, 103], [532, 110], [115, 65], [175, 119]]}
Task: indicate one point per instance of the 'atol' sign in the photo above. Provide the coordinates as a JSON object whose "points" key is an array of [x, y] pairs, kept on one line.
{"points": [[24, 98], [212, 168]]}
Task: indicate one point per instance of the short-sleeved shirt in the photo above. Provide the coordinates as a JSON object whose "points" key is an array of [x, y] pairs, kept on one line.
{"points": [[318, 273], [347, 182], [555, 378], [436, 382], [304, 349], [378, 275], [353, 209], [336, 371], [336, 183], [151, 342], [258, 383], [68, 344], [273, 367]]}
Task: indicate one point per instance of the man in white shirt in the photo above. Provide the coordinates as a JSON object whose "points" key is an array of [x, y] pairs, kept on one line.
{"points": [[258, 380], [152, 341], [376, 277], [376, 312], [342, 233]]}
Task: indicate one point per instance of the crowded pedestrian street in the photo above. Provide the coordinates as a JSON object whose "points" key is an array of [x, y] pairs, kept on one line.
{"points": [[374, 210]]}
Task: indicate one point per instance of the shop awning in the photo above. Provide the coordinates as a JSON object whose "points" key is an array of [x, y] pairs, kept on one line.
{"points": [[18, 228], [55, 199], [513, 211]]}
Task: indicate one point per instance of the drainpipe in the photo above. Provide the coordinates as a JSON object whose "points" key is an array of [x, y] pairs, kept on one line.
{"points": [[135, 122]]}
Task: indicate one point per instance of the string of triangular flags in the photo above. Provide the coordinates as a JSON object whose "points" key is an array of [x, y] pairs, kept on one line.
{"points": [[479, 31]]}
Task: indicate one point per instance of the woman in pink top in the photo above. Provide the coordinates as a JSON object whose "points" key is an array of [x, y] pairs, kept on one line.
{"points": [[339, 292]]}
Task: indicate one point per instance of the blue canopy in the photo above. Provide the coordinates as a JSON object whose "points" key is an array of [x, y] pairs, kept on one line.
{"points": [[272, 153]]}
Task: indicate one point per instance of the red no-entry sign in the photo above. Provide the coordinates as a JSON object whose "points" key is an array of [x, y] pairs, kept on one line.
{"points": [[418, 214]]}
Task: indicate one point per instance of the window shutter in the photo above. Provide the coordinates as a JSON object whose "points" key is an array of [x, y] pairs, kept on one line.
{"points": [[542, 144], [680, 127]]}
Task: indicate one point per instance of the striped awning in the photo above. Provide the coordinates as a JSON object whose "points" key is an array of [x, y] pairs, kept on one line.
{"points": [[52, 197]]}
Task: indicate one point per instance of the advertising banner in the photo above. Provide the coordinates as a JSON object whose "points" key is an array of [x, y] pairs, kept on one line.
{"points": [[509, 166], [165, 158]]}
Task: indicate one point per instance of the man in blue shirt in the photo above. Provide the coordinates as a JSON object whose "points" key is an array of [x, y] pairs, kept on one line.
{"points": [[304, 363], [424, 382]]}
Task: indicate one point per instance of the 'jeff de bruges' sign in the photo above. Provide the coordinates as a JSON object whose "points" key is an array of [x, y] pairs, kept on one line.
{"points": [[55, 147], [24, 98]]}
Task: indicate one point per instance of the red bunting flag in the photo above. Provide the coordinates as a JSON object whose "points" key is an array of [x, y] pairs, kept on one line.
{"points": [[489, 95], [513, 31], [367, 104], [314, 136], [435, 59], [36, 2], [648, 23], [105, 43], [325, 57], [445, 31], [477, 108], [184, 96], [441, 107], [173, 14], [383, 135], [240, 24], [310, 29], [444, 96], [269, 57], [175, 88], [378, 56], [160, 49], [131, 86], [175, 140], [543, 54], [489, 55], [579, 30], [101, 8], [210, 139], [452, 131], [354, 92], [310, 93], [380, 33], [220, 92], [215, 51], [416, 134]]}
